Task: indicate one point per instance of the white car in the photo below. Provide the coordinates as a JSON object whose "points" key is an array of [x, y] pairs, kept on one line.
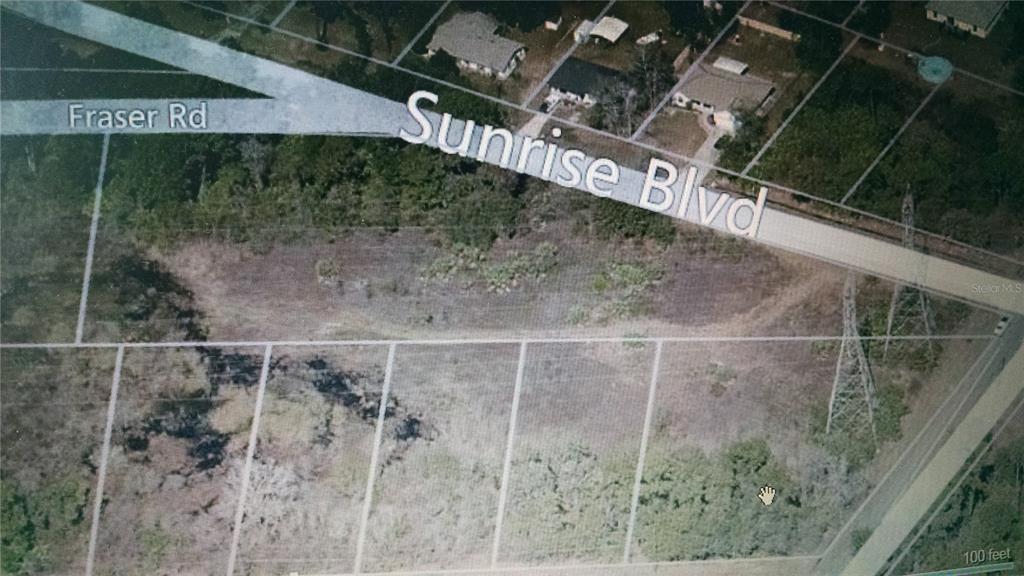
{"points": [[648, 39], [1001, 326]]}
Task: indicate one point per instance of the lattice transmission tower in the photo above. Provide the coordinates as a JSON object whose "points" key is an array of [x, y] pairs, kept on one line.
{"points": [[910, 312], [851, 409]]}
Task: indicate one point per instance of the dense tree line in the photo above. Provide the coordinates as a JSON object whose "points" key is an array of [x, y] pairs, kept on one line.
{"points": [[963, 167], [982, 513], [270, 189], [840, 131], [526, 16], [697, 24]]}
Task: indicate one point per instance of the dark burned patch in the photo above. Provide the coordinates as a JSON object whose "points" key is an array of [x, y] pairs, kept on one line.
{"points": [[149, 294], [353, 390], [231, 368], [144, 290], [349, 389], [187, 420], [409, 428]]}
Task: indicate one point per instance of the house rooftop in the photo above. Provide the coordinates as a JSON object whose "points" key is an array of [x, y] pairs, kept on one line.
{"points": [[470, 36], [581, 77], [980, 14], [725, 90], [730, 65], [609, 28]]}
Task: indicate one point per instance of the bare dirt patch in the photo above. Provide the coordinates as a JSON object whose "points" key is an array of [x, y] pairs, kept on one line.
{"points": [[711, 285]]}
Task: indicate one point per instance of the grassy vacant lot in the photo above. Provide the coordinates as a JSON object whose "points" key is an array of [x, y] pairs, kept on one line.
{"points": [[676, 130], [979, 131], [54, 412], [179, 443], [308, 476], [47, 200], [300, 244], [844, 126], [441, 458], [730, 418], [310, 238], [402, 284], [580, 419]]}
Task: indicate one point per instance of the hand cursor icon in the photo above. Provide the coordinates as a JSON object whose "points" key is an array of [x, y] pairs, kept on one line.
{"points": [[766, 495]]}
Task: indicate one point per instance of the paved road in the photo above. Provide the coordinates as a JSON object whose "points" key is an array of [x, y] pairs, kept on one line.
{"points": [[925, 445], [319, 98], [239, 116], [928, 485]]}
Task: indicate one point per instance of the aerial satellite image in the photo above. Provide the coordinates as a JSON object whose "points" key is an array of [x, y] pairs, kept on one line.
{"points": [[546, 288]]}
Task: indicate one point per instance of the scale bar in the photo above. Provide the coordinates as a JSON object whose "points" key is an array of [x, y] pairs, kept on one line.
{"points": [[983, 569]]}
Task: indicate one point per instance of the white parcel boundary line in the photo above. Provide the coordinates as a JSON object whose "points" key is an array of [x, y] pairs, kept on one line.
{"points": [[416, 38], [623, 139], [277, 19], [905, 514], [775, 135], [892, 142], [101, 478], [254, 10], [506, 467], [250, 453], [472, 341], [586, 568], [904, 550], [90, 250], [853, 12], [315, 85], [686, 75], [96, 70], [562, 59], [652, 393], [378, 434], [896, 47], [913, 448]]}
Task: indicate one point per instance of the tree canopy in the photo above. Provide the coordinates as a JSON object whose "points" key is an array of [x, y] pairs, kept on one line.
{"points": [[819, 45], [526, 16]]}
